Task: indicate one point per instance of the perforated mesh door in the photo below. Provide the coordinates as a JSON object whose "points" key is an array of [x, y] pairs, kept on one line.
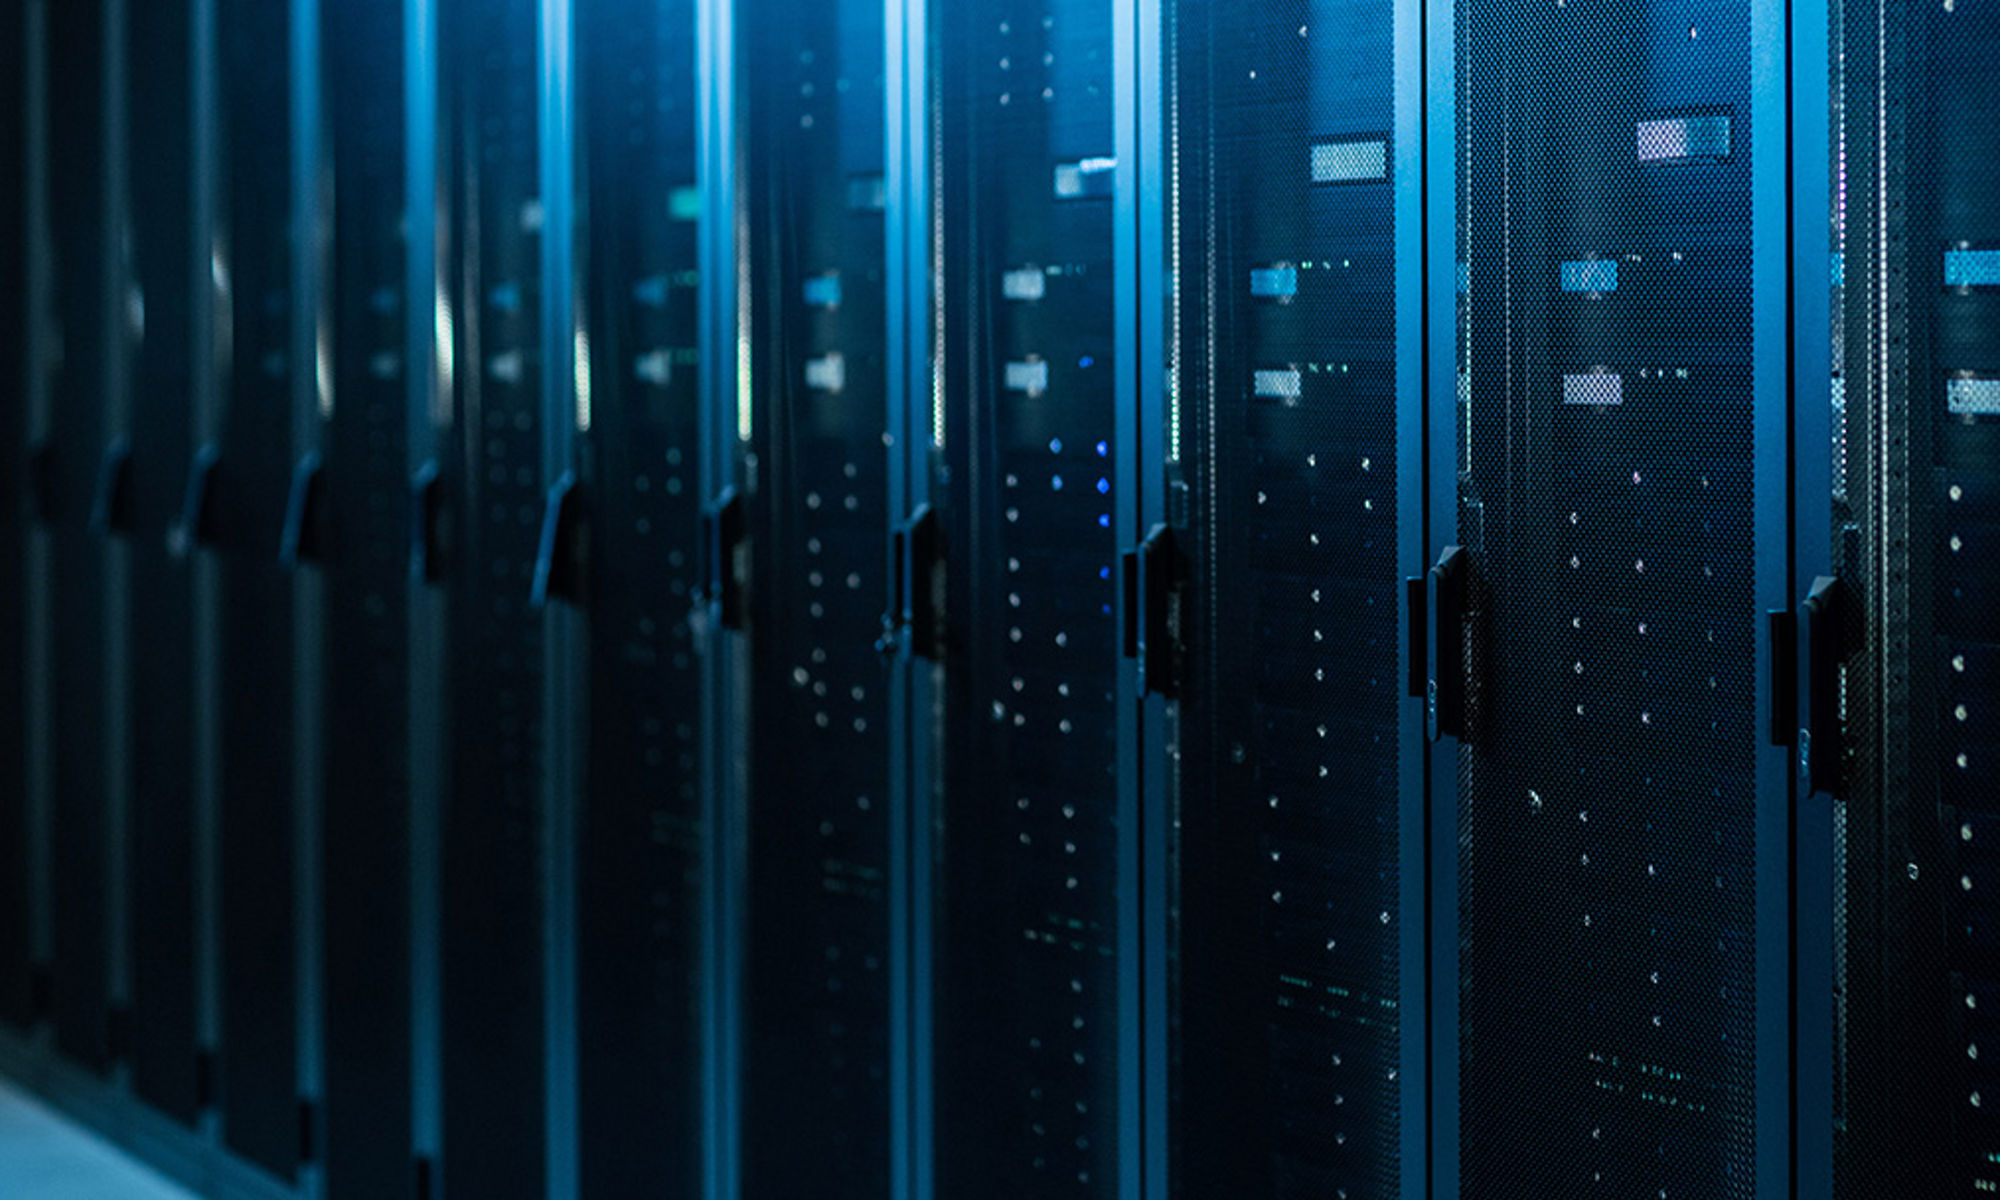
{"points": [[1290, 959], [1026, 1002], [638, 902], [161, 721], [1610, 389], [1916, 516], [260, 1098], [817, 1117], [493, 954], [365, 812]]}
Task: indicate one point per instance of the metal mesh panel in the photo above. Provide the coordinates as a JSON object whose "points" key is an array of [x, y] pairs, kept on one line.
{"points": [[1026, 998], [638, 909], [1607, 493], [1916, 507], [1289, 958], [819, 922], [366, 807], [493, 955]]}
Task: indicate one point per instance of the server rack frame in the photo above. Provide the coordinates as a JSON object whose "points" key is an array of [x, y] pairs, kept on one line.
{"points": [[1188, 460], [636, 522], [933, 314], [818, 1083], [1769, 85]]}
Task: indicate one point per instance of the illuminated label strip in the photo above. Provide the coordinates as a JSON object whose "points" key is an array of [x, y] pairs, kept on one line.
{"points": [[1085, 177], [1594, 387], [1350, 162], [1679, 139], [1593, 275], [1973, 397], [1276, 281], [1972, 268]]}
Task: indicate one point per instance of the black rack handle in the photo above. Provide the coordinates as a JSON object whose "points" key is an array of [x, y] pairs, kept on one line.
{"points": [[195, 526], [1154, 634], [304, 537], [1417, 675], [112, 502], [724, 527], [1821, 649], [427, 522], [559, 554], [1444, 645], [917, 544], [1782, 632]]}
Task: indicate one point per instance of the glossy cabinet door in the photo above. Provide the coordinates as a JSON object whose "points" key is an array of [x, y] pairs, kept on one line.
{"points": [[258, 1060], [817, 1093], [162, 340], [17, 900], [69, 460]]}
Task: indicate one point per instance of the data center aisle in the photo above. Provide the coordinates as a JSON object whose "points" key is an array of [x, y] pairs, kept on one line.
{"points": [[47, 1157]]}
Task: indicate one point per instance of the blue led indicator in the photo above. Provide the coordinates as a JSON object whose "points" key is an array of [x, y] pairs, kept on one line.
{"points": [[1104, 572], [1590, 275], [1055, 445], [1086, 362], [1103, 450], [1055, 483], [1103, 486], [1104, 520]]}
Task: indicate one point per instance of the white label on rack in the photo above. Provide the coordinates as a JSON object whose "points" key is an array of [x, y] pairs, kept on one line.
{"points": [[1594, 387]]}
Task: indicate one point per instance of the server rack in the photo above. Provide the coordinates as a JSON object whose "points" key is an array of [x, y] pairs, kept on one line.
{"points": [[1608, 509], [1294, 507], [359, 542], [16, 856], [166, 1051], [639, 840], [258, 1059], [817, 1034], [493, 818], [65, 465], [1896, 734], [1031, 832]]}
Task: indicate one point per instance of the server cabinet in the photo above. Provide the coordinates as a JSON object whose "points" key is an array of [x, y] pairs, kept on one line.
{"points": [[258, 1077], [492, 822], [160, 283], [1609, 515], [639, 835], [67, 464], [817, 1096], [1897, 732], [16, 858], [1026, 975], [1294, 492], [362, 548]]}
